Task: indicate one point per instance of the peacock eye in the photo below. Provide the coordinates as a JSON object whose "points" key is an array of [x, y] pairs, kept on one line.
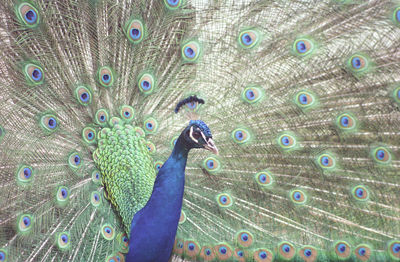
{"points": [[196, 135]]}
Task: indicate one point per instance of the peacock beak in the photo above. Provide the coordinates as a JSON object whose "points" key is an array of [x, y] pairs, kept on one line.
{"points": [[211, 146]]}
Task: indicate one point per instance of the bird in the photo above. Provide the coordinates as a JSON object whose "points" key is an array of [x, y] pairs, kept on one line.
{"points": [[97, 98]]}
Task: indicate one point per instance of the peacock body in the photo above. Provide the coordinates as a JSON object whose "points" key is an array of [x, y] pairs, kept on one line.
{"points": [[302, 98]]}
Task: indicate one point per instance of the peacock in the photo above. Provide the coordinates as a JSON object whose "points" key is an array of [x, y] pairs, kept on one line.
{"points": [[292, 109]]}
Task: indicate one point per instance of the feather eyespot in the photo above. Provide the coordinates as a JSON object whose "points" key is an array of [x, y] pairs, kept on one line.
{"points": [[95, 198], [211, 164], [298, 197], [394, 249], [304, 99], [139, 132], [286, 141], [25, 174], [264, 178], [49, 123], [240, 135], [191, 248], [244, 238], [342, 250], [286, 250], [151, 147], [248, 39], [89, 135], [252, 94], [25, 223], [207, 253], [396, 15], [396, 94], [74, 161], [223, 251], [303, 47], [346, 122], [178, 246], [135, 31], [62, 195], [173, 4], [108, 232], [224, 200], [28, 14], [158, 165], [308, 253], [105, 76], [150, 125], [191, 51], [382, 155], [363, 252], [34, 74], [123, 242], [83, 95], [127, 113], [261, 255], [3, 255], [326, 161], [173, 141], [358, 63], [63, 240], [146, 83], [96, 176], [360, 193], [101, 117], [240, 254]]}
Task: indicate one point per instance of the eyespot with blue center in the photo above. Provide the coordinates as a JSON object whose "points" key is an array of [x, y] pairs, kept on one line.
{"points": [[211, 164], [74, 160], [105, 76], [191, 51], [396, 94], [123, 242], [63, 240], [223, 251], [95, 198], [151, 147], [146, 83], [263, 255], [244, 238], [248, 38], [3, 255], [346, 121], [224, 200], [89, 135], [178, 247], [298, 196], [394, 249], [326, 161], [252, 94], [25, 223], [241, 135], [101, 117], [83, 95], [308, 253], [135, 31], [24, 174], [33, 74], [304, 99], [150, 125], [127, 113], [286, 250], [207, 252], [287, 141], [363, 252], [49, 123], [360, 193], [358, 63], [62, 195], [303, 47], [173, 4], [191, 248], [264, 178], [28, 14], [108, 232], [158, 165], [96, 176], [382, 155], [342, 249]]}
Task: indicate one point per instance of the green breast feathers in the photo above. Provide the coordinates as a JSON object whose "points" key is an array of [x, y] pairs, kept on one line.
{"points": [[124, 159]]}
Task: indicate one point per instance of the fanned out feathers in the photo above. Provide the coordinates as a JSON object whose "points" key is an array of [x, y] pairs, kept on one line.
{"points": [[302, 98]]}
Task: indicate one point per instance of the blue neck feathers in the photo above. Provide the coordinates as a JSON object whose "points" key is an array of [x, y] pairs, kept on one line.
{"points": [[154, 227]]}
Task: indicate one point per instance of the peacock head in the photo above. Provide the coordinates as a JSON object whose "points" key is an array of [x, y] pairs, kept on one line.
{"points": [[198, 135]]}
